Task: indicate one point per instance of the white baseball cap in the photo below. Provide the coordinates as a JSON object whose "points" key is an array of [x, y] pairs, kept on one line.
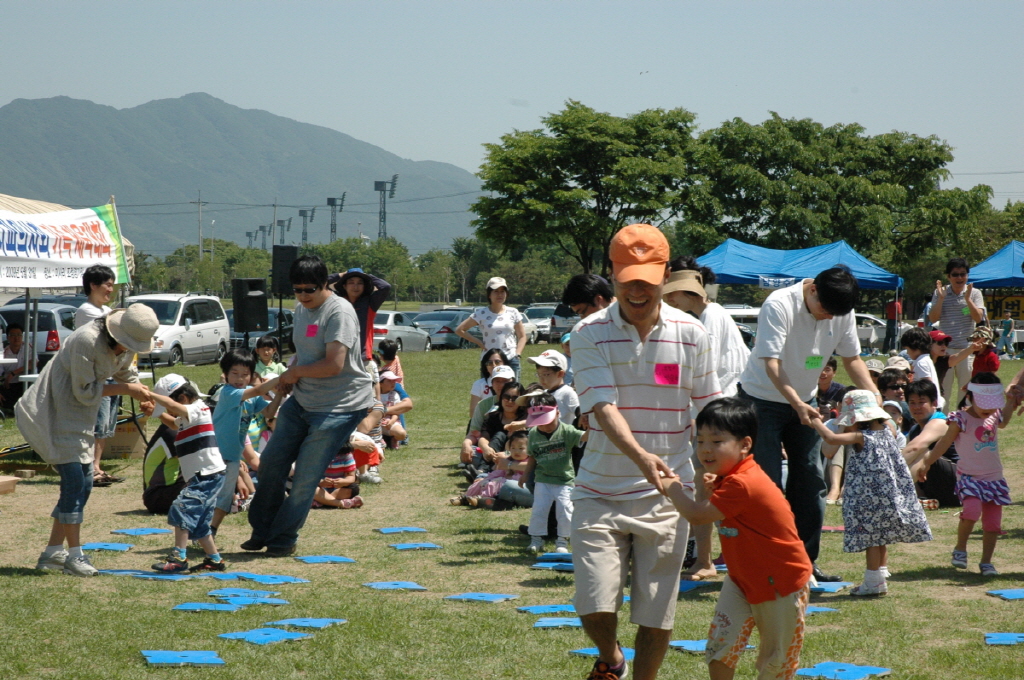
{"points": [[551, 358], [168, 385]]}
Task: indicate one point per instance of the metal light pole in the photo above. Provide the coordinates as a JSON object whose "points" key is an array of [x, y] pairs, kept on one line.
{"points": [[337, 205], [306, 215], [385, 193]]}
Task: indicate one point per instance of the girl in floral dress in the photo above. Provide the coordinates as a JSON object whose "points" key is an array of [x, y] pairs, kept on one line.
{"points": [[880, 504]]}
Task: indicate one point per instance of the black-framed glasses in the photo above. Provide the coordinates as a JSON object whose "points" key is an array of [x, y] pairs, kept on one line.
{"points": [[305, 290], [898, 386], [958, 274]]}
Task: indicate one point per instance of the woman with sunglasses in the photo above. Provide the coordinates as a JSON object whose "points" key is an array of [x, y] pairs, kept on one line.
{"points": [[923, 348], [481, 389], [331, 393], [492, 433]]}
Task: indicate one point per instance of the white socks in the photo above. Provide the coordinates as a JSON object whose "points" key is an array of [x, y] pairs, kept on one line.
{"points": [[873, 578], [52, 550], [75, 552]]}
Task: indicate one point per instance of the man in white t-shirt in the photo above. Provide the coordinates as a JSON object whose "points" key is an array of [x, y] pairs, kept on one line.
{"points": [[98, 284], [798, 329]]}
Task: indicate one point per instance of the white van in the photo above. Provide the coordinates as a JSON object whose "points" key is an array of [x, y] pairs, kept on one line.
{"points": [[193, 328]]}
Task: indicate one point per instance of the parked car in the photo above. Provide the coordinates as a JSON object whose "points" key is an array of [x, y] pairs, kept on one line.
{"points": [[398, 327], [745, 317], [76, 300], [540, 316], [193, 328], [871, 331], [562, 321], [238, 338], [56, 323], [440, 327]]}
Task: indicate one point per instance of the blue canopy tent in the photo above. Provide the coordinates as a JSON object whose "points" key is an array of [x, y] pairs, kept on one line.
{"points": [[738, 262], [1002, 270]]}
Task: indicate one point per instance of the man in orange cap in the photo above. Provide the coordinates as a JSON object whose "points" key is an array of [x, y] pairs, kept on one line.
{"points": [[639, 364]]}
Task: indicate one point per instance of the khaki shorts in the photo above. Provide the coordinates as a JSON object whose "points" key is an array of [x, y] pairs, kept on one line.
{"points": [[780, 624], [605, 533]]}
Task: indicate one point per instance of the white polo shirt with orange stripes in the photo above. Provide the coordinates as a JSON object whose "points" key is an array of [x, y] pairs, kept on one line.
{"points": [[652, 383]]}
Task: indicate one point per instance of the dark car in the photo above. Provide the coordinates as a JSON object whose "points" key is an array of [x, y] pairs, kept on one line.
{"points": [[237, 338]]}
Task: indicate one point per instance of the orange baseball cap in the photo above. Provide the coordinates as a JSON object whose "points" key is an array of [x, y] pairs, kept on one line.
{"points": [[639, 252]]}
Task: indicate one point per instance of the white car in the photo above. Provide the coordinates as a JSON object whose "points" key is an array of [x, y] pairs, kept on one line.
{"points": [[193, 328], [541, 317], [871, 331]]}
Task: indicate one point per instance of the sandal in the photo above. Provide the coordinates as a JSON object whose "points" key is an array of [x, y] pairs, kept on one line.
{"points": [[481, 502], [100, 480], [351, 503], [458, 500]]}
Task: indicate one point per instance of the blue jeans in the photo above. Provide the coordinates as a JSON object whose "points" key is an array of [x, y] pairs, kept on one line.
{"points": [[514, 364], [75, 487], [513, 493], [193, 509], [106, 418], [309, 439], [779, 425], [1005, 343]]}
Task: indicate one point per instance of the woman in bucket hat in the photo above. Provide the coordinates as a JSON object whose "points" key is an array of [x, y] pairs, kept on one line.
{"points": [[367, 293], [502, 326], [57, 415]]}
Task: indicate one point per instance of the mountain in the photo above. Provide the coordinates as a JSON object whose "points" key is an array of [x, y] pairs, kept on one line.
{"points": [[78, 153]]}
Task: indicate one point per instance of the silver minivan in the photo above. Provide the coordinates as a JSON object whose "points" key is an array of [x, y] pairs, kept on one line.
{"points": [[193, 328]]}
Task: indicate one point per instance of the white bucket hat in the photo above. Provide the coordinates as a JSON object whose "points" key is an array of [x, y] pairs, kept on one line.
{"points": [[133, 327]]}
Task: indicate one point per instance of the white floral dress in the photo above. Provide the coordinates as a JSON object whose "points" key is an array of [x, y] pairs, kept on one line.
{"points": [[880, 503], [499, 330]]}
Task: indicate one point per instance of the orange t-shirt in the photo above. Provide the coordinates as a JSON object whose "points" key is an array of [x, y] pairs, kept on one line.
{"points": [[766, 557]]}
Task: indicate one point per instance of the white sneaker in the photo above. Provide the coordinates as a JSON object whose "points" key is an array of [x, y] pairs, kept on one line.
{"points": [[864, 590], [536, 544], [79, 566], [562, 545], [369, 477], [54, 561]]}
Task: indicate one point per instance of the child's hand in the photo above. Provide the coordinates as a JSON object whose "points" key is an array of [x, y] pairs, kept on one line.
{"points": [[325, 483], [147, 407], [709, 482], [515, 426], [669, 485]]}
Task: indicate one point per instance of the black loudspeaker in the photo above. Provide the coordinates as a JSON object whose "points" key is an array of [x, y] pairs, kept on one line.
{"points": [[250, 300], [283, 258]]}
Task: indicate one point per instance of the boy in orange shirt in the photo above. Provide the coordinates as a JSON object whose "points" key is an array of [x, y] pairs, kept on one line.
{"points": [[769, 570]]}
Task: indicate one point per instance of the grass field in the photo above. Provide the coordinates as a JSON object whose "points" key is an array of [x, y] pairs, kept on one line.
{"points": [[929, 627]]}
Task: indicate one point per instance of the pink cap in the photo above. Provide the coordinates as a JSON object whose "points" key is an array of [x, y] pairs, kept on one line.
{"points": [[540, 415], [388, 375], [987, 396]]}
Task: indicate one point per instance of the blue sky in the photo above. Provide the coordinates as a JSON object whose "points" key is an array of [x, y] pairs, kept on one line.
{"points": [[436, 80]]}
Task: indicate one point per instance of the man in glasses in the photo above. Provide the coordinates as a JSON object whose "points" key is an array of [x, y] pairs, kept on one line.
{"points": [[586, 294], [331, 392], [958, 308]]}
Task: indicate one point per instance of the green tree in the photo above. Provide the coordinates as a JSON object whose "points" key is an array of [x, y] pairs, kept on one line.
{"points": [[582, 178], [789, 183]]}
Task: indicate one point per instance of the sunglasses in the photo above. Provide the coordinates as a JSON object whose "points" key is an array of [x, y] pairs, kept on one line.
{"points": [[494, 362], [898, 386], [510, 397], [309, 290], [942, 342], [958, 274]]}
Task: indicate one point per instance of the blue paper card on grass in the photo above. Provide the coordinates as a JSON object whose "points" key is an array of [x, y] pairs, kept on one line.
{"points": [[558, 622], [1008, 593], [482, 597], [415, 546], [687, 586], [694, 646], [555, 557], [157, 657], [402, 530], [627, 653], [823, 587], [207, 607], [265, 636], [820, 610], [553, 566], [1004, 638], [122, 572], [164, 577], [254, 600], [325, 559], [274, 579], [307, 623], [143, 531], [842, 671], [394, 585], [241, 592], [230, 575], [116, 547], [548, 609]]}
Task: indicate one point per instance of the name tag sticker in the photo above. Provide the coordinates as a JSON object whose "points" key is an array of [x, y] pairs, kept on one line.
{"points": [[966, 312], [814, 362], [311, 330], [666, 374]]}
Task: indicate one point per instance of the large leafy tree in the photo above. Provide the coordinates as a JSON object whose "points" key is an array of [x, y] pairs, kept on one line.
{"points": [[788, 183], [582, 178]]}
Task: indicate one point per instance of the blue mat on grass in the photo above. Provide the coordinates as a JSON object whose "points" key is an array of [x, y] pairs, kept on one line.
{"points": [[241, 592], [156, 657], [694, 646], [394, 585], [402, 530], [842, 671], [325, 559], [548, 609], [482, 597], [307, 623], [830, 587], [1004, 638], [116, 547], [253, 600], [554, 566], [144, 531], [265, 636], [208, 607], [558, 622], [415, 546], [592, 652], [1008, 593]]}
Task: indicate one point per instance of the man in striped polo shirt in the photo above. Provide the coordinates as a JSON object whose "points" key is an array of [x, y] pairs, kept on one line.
{"points": [[639, 364], [959, 308]]}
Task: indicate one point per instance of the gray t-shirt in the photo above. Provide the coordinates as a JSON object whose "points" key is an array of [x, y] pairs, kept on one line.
{"points": [[87, 312], [956, 320], [333, 321]]}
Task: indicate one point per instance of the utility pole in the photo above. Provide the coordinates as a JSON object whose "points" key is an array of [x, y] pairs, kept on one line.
{"points": [[306, 215], [272, 223], [337, 205], [382, 187], [249, 235], [200, 204]]}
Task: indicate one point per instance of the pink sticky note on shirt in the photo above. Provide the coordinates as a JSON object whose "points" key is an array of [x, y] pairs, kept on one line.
{"points": [[311, 330], [666, 374]]}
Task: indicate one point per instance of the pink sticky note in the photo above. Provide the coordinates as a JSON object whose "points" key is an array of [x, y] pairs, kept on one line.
{"points": [[666, 374], [311, 330]]}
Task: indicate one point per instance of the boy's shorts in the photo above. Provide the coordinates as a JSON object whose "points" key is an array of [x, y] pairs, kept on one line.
{"points": [[226, 496], [780, 624], [192, 510], [644, 539]]}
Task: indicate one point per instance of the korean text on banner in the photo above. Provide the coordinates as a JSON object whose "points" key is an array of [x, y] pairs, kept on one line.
{"points": [[52, 250]]}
